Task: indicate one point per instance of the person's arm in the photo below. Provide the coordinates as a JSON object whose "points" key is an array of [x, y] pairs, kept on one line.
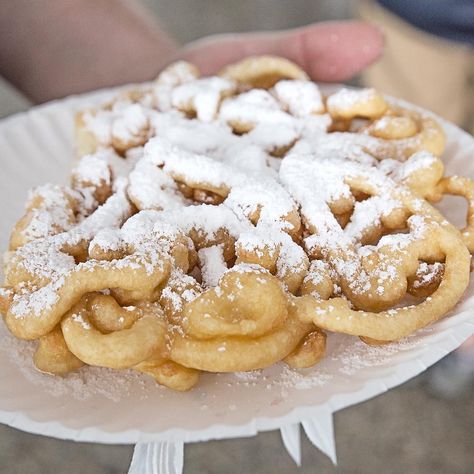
{"points": [[52, 48]]}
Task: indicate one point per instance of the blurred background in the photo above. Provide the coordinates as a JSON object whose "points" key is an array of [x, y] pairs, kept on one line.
{"points": [[424, 426]]}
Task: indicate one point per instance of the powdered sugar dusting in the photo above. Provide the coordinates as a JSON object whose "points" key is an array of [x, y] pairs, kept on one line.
{"points": [[302, 98], [213, 265], [346, 99], [200, 165], [346, 355], [202, 95], [354, 355], [83, 384]]}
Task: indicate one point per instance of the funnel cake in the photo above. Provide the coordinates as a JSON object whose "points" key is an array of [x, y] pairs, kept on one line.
{"points": [[227, 223]]}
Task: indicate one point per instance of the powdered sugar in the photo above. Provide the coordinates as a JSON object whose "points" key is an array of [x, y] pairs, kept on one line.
{"points": [[202, 95], [92, 170], [125, 122], [80, 320], [83, 384], [345, 355], [256, 203], [178, 73], [354, 355], [419, 161], [131, 120], [51, 211], [346, 99], [427, 274], [213, 265], [254, 107], [302, 98]]}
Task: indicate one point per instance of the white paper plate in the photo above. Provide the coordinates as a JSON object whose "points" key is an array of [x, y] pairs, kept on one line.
{"points": [[36, 147]]}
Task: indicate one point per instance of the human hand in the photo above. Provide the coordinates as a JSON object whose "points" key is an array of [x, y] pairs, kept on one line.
{"points": [[328, 51], [86, 45]]}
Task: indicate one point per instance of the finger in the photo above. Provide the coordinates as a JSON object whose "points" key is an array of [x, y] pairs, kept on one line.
{"points": [[331, 51]]}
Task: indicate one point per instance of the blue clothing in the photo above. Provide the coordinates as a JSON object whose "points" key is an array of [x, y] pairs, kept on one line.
{"points": [[451, 19]]}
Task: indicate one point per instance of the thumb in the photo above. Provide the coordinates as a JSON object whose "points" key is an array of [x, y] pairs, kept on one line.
{"points": [[329, 51]]}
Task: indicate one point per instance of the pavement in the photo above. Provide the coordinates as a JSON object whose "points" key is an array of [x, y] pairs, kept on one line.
{"points": [[408, 429]]}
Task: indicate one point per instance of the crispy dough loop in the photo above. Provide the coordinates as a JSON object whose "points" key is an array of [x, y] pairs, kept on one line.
{"points": [[120, 349], [124, 124], [178, 73], [400, 263], [373, 258], [318, 281], [247, 303], [262, 72], [259, 328], [235, 354], [99, 187], [108, 317], [398, 123], [421, 173], [426, 279], [347, 104], [374, 342], [106, 314], [130, 273], [392, 127], [169, 373], [138, 273], [53, 355], [401, 132], [85, 141], [201, 98], [273, 257], [309, 351], [50, 211], [148, 256], [393, 324]]}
